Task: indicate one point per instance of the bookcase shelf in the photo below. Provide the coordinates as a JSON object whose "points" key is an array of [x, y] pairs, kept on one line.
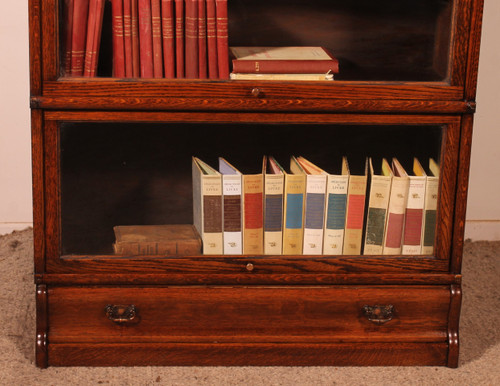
{"points": [[111, 151]]}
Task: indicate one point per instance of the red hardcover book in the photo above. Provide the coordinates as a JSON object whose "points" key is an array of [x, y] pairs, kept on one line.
{"points": [[127, 37], [118, 44], [97, 36], [222, 37], [145, 39], [202, 40], [192, 39], [167, 18], [283, 60], [179, 38], [68, 34], [157, 40], [136, 65], [213, 66], [79, 35], [89, 45]]}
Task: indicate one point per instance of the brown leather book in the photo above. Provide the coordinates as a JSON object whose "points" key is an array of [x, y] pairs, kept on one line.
{"points": [[222, 38], [168, 22], [118, 39], [79, 35], [157, 39], [191, 36], [170, 240], [213, 66]]}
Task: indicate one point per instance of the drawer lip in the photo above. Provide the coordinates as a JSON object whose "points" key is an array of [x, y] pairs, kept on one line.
{"points": [[312, 314]]}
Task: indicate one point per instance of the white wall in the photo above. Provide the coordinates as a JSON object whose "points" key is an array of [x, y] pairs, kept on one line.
{"points": [[483, 213]]}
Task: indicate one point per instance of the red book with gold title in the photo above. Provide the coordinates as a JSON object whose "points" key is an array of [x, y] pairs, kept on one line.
{"points": [[191, 36], [136, 66], [68, 34], [202, 40], [168, 23], [222, 38], [145, 39], [79, 36], [127, 37], [89, 44], [179, 38], [118, 39], [157, 39], [213, 66]]}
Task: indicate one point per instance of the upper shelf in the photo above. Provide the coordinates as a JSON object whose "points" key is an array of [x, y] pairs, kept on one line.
{"points": [[394, 55]]}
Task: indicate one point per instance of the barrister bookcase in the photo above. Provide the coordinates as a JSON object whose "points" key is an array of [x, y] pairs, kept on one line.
{"points": [[111, 151]]}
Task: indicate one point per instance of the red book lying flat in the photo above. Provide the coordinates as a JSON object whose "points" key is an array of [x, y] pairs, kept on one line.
{"points": [[283, 60]]}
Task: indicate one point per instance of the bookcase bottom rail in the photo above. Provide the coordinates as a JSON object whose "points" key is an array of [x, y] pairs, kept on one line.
{"points": [[251, 354]]}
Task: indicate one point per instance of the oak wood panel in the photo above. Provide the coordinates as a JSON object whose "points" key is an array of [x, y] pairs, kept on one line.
{"points": [[247, 279], [473, 53], [249, 314], [37, 156], [50, 48], [251, 354], [42, 326], [461, 29], [453, 324], [35, 50]]}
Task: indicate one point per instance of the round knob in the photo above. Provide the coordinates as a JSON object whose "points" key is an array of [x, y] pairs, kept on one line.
{"points": [[256, 91], [249, 267]]}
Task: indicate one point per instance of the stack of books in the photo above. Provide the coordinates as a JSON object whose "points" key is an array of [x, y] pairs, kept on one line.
{"points": [[309, 211], [82, 36], [283, 63], [151, 38]]}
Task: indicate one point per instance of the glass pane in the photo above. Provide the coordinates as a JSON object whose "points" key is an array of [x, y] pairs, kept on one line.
{"points": [[141, 173], [387, 40]]}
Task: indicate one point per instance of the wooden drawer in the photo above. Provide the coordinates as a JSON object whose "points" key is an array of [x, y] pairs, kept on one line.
{"points": [[249, 315]]}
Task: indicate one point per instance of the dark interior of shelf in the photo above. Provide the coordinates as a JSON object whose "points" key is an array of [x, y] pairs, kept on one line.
{"points": [[385, 40], [140, 173]]}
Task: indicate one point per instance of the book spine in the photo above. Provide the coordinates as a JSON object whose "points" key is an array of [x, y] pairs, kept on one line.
{"points": [[89, 45], [295, 186], [253, 232], [136, 65], [68, 34], [231, 192], [380, 190], [157, 39], [336, 205], [184, 248], [127, 37], [412, 236], [314, 214], [145, 39], [191, 37], [167, 10], [79, 35], [212, 215], [213, 70], [355, 215], [430, 214], [285, 66], [396, 212], [118, 39], [273, 214], [97, 37], [222, 38], [179, 38], [202, 40]]}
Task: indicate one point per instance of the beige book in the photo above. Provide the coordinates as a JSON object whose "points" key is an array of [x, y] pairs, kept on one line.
{"points": [[207, 206], [378, 201], [430, 208]]}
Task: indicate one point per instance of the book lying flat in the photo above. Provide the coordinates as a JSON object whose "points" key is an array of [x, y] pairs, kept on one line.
{"points": [[169, 240], [289, 77], [283, 60]]}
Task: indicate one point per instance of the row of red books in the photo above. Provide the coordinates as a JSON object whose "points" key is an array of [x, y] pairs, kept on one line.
{"points": [[82, 36], [170, 39], [151, 38]]}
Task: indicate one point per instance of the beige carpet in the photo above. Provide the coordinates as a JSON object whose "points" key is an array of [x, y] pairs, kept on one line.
{"points": [[479, 354]]}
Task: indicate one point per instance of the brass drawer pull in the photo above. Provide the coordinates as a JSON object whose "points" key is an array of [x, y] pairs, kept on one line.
{"points": [[122, 314], [379, 314]]}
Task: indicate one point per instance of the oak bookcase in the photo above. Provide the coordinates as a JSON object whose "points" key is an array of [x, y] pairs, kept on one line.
{"points": [[110, 151]]}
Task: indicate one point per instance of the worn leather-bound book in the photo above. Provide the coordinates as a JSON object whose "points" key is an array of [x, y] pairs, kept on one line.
{"points": [[157, 39], [165, 240], [79, 36], [145, 39], [213, 66], [179, 38], [118, 38], [168, 36], [222, 38], [191, 36], [202, 40]]}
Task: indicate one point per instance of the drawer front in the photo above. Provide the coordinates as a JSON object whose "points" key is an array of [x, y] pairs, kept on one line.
{"points": [[256, 314]]}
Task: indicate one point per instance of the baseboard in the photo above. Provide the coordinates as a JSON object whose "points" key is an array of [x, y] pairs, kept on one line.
{"points": [[9, 227], [482, 230]]}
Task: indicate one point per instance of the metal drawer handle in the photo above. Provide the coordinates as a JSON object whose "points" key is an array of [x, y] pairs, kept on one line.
{"points": [[379, 314], [122, 314]]}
